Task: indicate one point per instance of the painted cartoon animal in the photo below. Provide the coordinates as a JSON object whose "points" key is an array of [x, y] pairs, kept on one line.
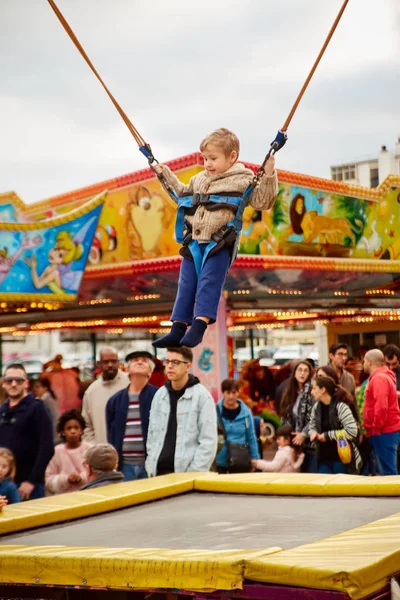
{"points": [[105, 240], [318, 227], [329, 229], [149, 215]]}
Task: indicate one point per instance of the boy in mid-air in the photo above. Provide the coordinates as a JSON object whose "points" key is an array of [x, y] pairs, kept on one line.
{"points": [[198, 296]]}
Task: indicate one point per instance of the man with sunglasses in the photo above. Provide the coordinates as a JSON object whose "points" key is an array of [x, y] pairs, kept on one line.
{"points": [[26, 429], [182, 433]]}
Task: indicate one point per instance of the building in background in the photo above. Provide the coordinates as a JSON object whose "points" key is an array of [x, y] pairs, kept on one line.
{"points": [[371, 172]]}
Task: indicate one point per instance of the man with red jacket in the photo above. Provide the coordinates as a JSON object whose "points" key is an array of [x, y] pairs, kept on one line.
{"points": [[381, 412]]}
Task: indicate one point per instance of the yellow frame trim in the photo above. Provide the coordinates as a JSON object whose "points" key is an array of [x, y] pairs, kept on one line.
{"points": [[358, 562]]}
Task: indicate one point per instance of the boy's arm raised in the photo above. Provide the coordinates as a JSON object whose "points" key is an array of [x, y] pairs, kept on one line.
{"points": [[266, 191], [180, 188]]}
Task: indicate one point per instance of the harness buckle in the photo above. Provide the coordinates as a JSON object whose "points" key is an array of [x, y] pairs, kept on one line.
{"points": [[200, 199], [222, 234]]}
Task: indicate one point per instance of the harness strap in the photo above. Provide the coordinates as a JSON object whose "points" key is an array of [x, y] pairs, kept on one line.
{"points": [[234, 225]]}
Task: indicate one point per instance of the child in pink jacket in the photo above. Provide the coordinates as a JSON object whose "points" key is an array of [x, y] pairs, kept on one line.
{"points": [[66, 472], [287, 459]]}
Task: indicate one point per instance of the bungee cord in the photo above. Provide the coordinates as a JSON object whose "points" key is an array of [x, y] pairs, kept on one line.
{"points": [[143, 145], [145, 148], [281, 137]]}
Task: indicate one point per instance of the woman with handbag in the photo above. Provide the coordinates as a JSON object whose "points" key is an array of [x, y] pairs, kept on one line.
{"points": [[296, 406], [235, 423], [334, 428]]}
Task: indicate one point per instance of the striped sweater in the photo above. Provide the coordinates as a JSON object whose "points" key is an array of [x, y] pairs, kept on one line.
{"points": [[347, 428]]}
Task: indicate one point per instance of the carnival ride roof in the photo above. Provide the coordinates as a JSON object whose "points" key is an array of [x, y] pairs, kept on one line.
{"points": [[320, 280]]}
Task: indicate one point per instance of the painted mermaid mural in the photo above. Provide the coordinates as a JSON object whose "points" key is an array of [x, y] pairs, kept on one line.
{"points": [[47, 259], [59, 276]]}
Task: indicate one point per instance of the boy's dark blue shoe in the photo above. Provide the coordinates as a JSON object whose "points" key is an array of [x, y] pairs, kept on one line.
{"points": [[173, 338], [195, 334]]}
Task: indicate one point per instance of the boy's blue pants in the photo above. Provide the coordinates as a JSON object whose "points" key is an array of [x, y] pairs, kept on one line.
{"points": [[200, 297]]}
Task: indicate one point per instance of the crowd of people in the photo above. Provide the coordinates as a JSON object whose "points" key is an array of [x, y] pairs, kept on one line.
{"points": [[129, 429]]}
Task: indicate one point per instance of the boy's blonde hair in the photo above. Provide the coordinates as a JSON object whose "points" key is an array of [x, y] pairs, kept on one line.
{"points": [[5, 453], [227, 140]]}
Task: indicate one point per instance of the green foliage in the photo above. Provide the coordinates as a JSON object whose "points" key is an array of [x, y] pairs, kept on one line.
{"points": [[355, 211], [279, 213]]}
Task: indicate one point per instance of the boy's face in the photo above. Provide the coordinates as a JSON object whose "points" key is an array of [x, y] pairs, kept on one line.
{"points": [[216, 161]]}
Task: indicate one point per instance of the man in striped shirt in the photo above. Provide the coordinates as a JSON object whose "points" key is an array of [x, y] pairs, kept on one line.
{"points": [[127, 416]]}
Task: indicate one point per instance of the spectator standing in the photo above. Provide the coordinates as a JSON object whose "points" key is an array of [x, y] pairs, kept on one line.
{"points": [[26, 430], [281, 380], [182, 432], [238, 425], [101, 462], [296, 407], [95, 399], [381, 412], [127, 416], [42, 389], [392, 360], [66, 472], [8, 489], [331, 417], [338, 355]]}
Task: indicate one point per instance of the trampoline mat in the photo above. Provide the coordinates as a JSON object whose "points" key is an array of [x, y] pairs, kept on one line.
{"points": [[215, 522]]}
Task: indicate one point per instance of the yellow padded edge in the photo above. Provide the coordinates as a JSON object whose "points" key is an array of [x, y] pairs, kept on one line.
{"points": [[299, 484], [358, 562], [64, 507], [126, 567]]}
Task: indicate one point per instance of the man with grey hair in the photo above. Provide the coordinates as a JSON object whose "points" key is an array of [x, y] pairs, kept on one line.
{"points": [[127, 416], [111, 380], [381, 412]]}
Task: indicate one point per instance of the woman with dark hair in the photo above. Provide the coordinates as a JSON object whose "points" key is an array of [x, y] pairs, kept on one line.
{"points": [[332, 418], [296, 407], [327, 371]]}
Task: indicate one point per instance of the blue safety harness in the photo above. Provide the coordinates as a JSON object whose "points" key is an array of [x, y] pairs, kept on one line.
{"points": [[231, 229]]}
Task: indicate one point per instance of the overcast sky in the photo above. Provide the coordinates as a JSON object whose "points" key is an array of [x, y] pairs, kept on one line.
{"points": [[181, 68]]}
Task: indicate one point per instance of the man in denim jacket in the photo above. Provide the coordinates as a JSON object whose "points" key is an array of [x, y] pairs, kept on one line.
{"points": [[182, 433]]}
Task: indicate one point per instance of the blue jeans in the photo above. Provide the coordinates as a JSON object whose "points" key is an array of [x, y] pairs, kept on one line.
{"points": [[133, 472], [385, 448], [310, 464], [332, 467], [201, 297]]}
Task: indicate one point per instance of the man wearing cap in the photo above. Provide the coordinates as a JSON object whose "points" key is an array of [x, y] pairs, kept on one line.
{"points": [[101, 463], [127, 416], [111, 380]]}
